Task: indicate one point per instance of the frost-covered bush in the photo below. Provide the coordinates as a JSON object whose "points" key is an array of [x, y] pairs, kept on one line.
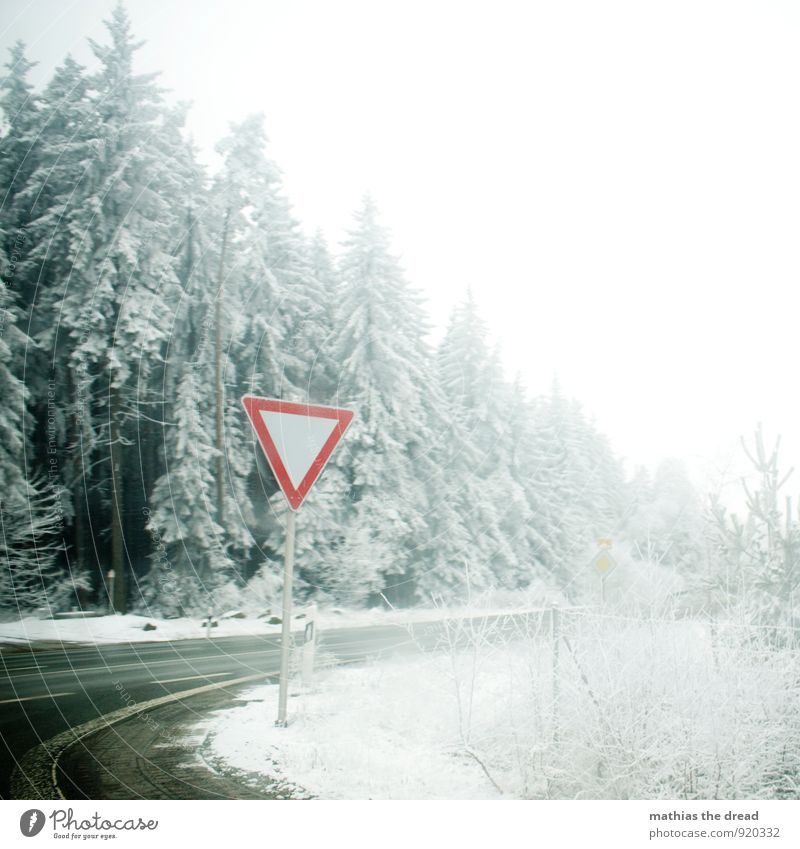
{"points": [[29, 539], [263, 590], [63, 593], [643, 587], [630, 709], [676, 710]]}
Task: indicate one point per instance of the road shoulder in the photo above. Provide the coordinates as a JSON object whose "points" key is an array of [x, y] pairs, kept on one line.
{"points": [[148, 758]]}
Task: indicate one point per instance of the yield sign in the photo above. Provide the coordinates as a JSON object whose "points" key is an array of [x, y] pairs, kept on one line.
{"points": [[297, 440]]}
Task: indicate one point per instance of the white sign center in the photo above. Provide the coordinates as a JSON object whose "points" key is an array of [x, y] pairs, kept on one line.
{"points": [[299, 440]]}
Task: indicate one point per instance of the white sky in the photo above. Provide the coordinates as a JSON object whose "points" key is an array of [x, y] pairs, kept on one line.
{"points": [[619, 182]]}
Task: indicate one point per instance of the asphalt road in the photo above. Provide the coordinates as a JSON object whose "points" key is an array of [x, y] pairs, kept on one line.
{"points": [[46, 692]]}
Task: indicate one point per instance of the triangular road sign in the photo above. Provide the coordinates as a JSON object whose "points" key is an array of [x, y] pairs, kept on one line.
{"points": [[297, 440]]}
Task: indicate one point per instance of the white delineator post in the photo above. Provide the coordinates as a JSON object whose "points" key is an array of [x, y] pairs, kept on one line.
{"points": [[286, 619], [309, 647]]}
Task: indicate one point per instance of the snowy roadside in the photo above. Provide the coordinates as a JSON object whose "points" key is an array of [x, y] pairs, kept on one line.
{"points": [[626, 709], [129, 628], [379, 731]]}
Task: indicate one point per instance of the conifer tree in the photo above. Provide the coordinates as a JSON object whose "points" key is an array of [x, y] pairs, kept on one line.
{"points": [[30, 516], [190, 560], [64, 438], [479, 399], [383, 366], [576, 490], [18, 157], [122, 284]]}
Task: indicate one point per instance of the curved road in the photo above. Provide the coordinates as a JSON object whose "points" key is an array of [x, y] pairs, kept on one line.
{"points": [[45, 693]]}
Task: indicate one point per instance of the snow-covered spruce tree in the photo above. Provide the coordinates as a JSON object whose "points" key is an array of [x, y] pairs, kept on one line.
{"points": [[487, 491], [295, 281], [321, 293], [548, 493], [517, 563], [66, 141], [281, 287], [384, 364], [258, 253], [527, 467], [452, 562], [18, 157], [30, 503], [122, 283], [281, 292], [664, 520], [223, 333], [338, 564], [575, 486], [756, 565], [245, 174], [30, 519], [476, 483], [336, 561], [64, 437], [252, 315], [187, 568], [189, 561]]}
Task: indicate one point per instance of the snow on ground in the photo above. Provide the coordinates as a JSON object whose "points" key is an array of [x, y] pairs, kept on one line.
{"points": [[627, 709], [381, 731], [122, 629], [130, 628]]}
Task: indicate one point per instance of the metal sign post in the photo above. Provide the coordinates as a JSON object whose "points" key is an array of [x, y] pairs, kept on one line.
{"points": [[286, 619]]}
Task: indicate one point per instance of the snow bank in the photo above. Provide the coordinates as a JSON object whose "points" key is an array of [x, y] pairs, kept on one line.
{"points": [[625, 709], [130, 628], [374, 732], [121, 629]]}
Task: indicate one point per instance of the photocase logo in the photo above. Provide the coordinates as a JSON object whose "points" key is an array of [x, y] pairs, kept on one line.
{"points": [[31, 822]]}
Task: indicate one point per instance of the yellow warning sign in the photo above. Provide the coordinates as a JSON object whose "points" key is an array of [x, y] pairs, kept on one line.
{"points": [[604, 563]]}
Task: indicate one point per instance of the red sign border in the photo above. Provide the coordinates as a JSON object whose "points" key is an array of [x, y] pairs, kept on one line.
{"points": [[254, 404]]}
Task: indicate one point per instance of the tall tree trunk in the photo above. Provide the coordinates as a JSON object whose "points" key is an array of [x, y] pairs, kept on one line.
{"points": [[218, 374], [79, 563], [117, 540], [79, 488]]}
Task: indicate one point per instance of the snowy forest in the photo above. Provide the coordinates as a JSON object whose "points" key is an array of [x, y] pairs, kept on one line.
{"points": [[144, 294]]}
